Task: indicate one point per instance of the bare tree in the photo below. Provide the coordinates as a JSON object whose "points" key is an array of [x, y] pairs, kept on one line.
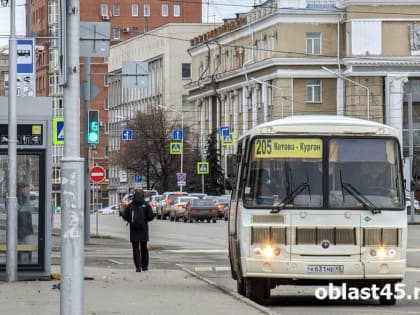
{"points": [[148, 153]]}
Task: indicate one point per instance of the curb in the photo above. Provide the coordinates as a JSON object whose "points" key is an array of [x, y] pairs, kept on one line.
{"points": [[234, 294]]}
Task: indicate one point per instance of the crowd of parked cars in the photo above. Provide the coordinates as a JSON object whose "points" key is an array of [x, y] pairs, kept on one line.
{"points": [[183, 206]]}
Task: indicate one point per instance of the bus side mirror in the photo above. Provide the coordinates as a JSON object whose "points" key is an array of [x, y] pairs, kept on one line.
{"points": [[231, 169]]}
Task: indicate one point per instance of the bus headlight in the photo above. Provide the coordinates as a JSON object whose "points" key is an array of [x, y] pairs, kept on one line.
{"points": [[381, 252], [267, 251]]}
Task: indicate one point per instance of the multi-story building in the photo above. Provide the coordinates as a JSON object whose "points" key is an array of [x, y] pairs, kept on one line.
{"points": [[164, 51], [127, 19], [298, 57]]}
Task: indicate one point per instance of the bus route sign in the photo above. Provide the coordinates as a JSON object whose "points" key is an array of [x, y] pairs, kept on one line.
{"points": [[287, 148]]}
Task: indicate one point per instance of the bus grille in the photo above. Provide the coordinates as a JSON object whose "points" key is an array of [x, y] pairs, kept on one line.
{"points": [[336, 236], [381, 236], [263, 235]]}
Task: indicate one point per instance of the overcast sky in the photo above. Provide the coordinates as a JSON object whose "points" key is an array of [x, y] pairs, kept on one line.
{"points": [[213, 11]]}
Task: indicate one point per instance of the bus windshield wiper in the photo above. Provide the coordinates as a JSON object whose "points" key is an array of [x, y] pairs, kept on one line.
{"points": [[289, 197], [360, 197]]}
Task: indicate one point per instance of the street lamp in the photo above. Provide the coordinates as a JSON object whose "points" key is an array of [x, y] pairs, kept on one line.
{"points": [[182, 139], [354, 82]]}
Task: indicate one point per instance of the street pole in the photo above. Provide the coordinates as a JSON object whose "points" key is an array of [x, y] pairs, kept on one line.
{"points": [[182, 143], [181, 113], [72, 177], [11, 259], [86, 101], [411, 153]]}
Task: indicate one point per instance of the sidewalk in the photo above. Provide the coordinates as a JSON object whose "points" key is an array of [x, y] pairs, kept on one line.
{"points": [[120, 290], [160, 292]]}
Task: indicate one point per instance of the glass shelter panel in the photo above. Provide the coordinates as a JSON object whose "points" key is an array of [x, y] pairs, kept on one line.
{"points": [[30, 202]]}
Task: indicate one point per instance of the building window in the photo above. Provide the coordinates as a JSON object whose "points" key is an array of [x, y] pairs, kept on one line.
{"points": [[135, 9], [105, 80], [106, 103], [165, 10], [313, 43], [146, 9], [135, 31], [116, 9], [186, 71], [116, 32], [177, 10], [313, 91], [104, 9]]}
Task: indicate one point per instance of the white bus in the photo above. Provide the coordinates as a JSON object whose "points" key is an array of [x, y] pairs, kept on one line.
{"points": [[305, 208]]}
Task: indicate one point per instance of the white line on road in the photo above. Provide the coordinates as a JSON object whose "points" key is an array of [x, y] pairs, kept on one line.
{"points": [[413, 250], [196, 251], [116, 262], [211, 268], [412, 269]]}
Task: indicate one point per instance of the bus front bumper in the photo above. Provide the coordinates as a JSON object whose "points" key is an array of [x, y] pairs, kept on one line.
{"points": [[389, 269]]}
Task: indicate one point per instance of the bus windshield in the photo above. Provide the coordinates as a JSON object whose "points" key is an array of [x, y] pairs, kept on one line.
{"points": [[335, 173]]}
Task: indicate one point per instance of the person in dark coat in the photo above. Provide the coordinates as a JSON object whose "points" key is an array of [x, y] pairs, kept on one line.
{"points": [[139, 232], [24, 218]]}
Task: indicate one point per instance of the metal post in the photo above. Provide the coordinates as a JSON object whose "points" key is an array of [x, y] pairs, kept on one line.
{"points": [[72, 177], [86, 101], [11, 259], [411, 152], [182, 142]]}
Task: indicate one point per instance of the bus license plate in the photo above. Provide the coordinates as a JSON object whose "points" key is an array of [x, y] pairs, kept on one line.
{"points": [[326, 269]]}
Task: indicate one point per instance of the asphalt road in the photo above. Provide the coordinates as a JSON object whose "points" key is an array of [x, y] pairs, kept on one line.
{"points": [[202, 249]]}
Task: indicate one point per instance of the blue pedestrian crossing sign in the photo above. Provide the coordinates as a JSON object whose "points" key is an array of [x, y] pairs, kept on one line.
{"points": [[175, 147], [177, 135], [58, 130], [228, 140], [202, 168], [224, 131], [127, 134]]}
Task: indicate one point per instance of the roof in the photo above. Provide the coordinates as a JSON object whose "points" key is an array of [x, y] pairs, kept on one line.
{"points": [[323, 124]]}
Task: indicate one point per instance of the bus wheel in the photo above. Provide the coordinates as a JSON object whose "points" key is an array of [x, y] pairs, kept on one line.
{"points": [[257, 290], [240, 285]]}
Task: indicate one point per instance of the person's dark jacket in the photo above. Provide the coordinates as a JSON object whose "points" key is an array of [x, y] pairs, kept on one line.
{"points": [[24, 218], [146, 214]]}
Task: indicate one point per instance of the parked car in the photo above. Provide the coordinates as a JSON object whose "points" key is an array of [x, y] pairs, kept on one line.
{"points": [[200, 209], [125, 201], [221, 206], [162, 210], [154, 201], [408, 205], [109, 210], [149, 193], [176, 211], [198, 195]]}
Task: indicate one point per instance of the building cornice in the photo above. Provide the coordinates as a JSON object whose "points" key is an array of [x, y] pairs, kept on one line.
{"points": [[347, 3], [265, 23]]}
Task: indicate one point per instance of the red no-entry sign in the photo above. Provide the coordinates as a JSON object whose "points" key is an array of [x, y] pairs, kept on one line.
{"points": [[97, 174]]}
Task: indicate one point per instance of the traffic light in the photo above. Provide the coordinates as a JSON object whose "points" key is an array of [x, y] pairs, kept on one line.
{"points": [[93, 127]]}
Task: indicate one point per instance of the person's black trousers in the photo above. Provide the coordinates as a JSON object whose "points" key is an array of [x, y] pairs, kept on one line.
{"points": [[140, 254]]}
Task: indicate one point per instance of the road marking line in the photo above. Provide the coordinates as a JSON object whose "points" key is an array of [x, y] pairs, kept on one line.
{"points": [[211, 268], [196, 251], [412, 269], [116, 262], [413, 249]]}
